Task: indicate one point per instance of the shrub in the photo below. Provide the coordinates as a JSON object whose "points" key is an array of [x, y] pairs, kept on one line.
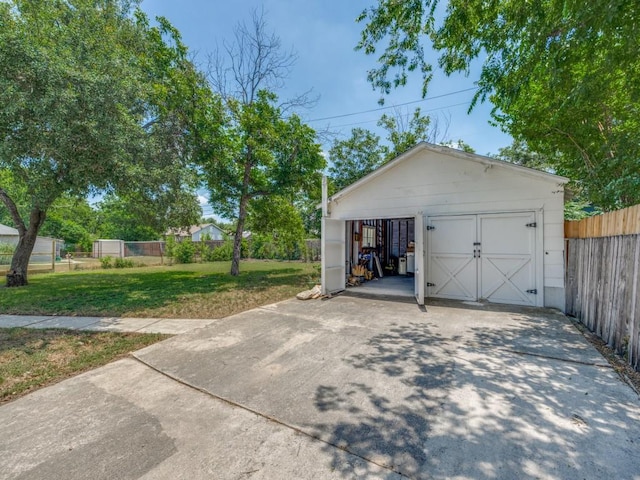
{"points": [[184, 251], [106, 262], [170, 247], [223, 253], [123, 263]]}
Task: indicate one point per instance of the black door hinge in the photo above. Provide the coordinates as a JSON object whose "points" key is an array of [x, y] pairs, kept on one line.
{"points": [[533, 290], [429, 284], [430, 227], [532, 225]]}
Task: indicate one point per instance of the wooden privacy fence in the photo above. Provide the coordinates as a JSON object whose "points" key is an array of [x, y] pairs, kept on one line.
{"points": [[603, 278], [620, 222]]}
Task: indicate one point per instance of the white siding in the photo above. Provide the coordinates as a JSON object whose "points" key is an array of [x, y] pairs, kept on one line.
{"points": [[436, 183]]}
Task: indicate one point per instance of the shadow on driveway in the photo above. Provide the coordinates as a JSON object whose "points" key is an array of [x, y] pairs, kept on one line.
{"points": [[455, 392]]}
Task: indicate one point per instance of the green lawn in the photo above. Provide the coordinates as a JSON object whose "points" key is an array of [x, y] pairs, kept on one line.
{"points": [[180, 291]]}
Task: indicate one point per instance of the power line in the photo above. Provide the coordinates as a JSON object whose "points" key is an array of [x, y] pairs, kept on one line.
{"points": [[426, 111], [393, 106]]}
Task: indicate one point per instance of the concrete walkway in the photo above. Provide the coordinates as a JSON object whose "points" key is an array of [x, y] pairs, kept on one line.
{"points": [[170, 326]]}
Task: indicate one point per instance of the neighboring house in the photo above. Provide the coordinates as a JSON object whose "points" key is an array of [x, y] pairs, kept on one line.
{"points": [[474, 228], [196, 232], [213, 232], [43, 249]]}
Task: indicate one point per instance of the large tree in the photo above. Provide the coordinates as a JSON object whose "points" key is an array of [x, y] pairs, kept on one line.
{"points": [[259, 153], [562, 76], [352, 158], [260, 156], [92, 99]]}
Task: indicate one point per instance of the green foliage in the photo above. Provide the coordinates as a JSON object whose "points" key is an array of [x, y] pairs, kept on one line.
{"points": [[119, 219], [94, 98], [6, 252], [404, 132], [222, 253], [579, 209], [355, 157], [72, 220], [106, 262], [184, 251], [363, 152], [170, 247], [259, 155], [459, 145], [520, 154], [562, 76], [275, 218], [123, 263]]}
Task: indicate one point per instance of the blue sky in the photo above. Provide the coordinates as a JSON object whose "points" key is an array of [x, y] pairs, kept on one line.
{"points": [[324, 33]]}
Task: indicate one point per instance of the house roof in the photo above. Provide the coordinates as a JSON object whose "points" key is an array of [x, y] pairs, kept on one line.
{"points": [[429, 147], [7, 230], [192, 229]]}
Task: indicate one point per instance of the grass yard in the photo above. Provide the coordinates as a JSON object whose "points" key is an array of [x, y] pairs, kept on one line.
{"points": [[203, 290], [33, 358]]}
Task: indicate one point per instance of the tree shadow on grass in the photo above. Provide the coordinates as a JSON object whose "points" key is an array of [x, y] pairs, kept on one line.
{"points": [[118, 293], [473, 406]]}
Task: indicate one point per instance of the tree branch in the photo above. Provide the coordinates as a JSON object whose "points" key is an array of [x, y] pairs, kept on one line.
{"points": [[13, 210]]}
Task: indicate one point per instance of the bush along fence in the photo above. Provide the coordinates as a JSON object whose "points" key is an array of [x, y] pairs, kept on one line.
{"points": [[603, 278]]}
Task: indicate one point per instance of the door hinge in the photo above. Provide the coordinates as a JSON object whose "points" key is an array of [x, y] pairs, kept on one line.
{"points": [[533, 290], [430, 227], [429, 284], [532, 225]]}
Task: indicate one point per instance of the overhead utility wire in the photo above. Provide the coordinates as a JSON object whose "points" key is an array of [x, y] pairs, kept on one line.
{"points": [[426, 111], [393, 106]]}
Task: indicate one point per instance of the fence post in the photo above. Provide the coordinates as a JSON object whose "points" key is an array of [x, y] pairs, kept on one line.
{"points": [[53, 255]]}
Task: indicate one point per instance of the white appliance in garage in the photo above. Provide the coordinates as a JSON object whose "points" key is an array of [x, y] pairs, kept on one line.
{"points": [[411, 262], [483, 256]]}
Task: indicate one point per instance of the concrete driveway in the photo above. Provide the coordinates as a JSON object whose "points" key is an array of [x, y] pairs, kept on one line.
{"points": [[335, 389]]}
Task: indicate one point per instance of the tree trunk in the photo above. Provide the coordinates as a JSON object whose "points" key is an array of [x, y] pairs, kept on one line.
{"points": [[237, 240], [17, 275]]}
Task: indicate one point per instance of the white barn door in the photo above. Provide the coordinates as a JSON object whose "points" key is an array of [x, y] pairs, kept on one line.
{"points": [[507, 260], [419, 272], [490, 257], [333, 256], [453, 269]]}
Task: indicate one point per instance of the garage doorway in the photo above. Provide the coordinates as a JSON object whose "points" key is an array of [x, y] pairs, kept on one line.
{"points": [[488, 257], [385, 248]]}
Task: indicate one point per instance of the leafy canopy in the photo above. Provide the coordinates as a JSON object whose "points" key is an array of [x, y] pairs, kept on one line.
{"points": [[562, 76], [93, 98]]}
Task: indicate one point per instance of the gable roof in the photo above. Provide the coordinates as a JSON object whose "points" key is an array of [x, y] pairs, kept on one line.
{"points": [[429, 147], [7, 230], [193, 229]]}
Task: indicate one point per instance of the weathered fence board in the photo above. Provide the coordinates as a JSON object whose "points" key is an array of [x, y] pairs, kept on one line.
{"points": [[620, 222], [602, 290]]}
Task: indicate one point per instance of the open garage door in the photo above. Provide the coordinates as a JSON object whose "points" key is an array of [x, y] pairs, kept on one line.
{"points": [[333, 255], [490, 257], [419, 273]]}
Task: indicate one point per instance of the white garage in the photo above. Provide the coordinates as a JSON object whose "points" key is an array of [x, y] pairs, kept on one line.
{"points": [[469, 227]]}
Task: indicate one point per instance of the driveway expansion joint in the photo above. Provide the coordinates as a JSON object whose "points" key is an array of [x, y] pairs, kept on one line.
{"points": [[265, 416]]}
